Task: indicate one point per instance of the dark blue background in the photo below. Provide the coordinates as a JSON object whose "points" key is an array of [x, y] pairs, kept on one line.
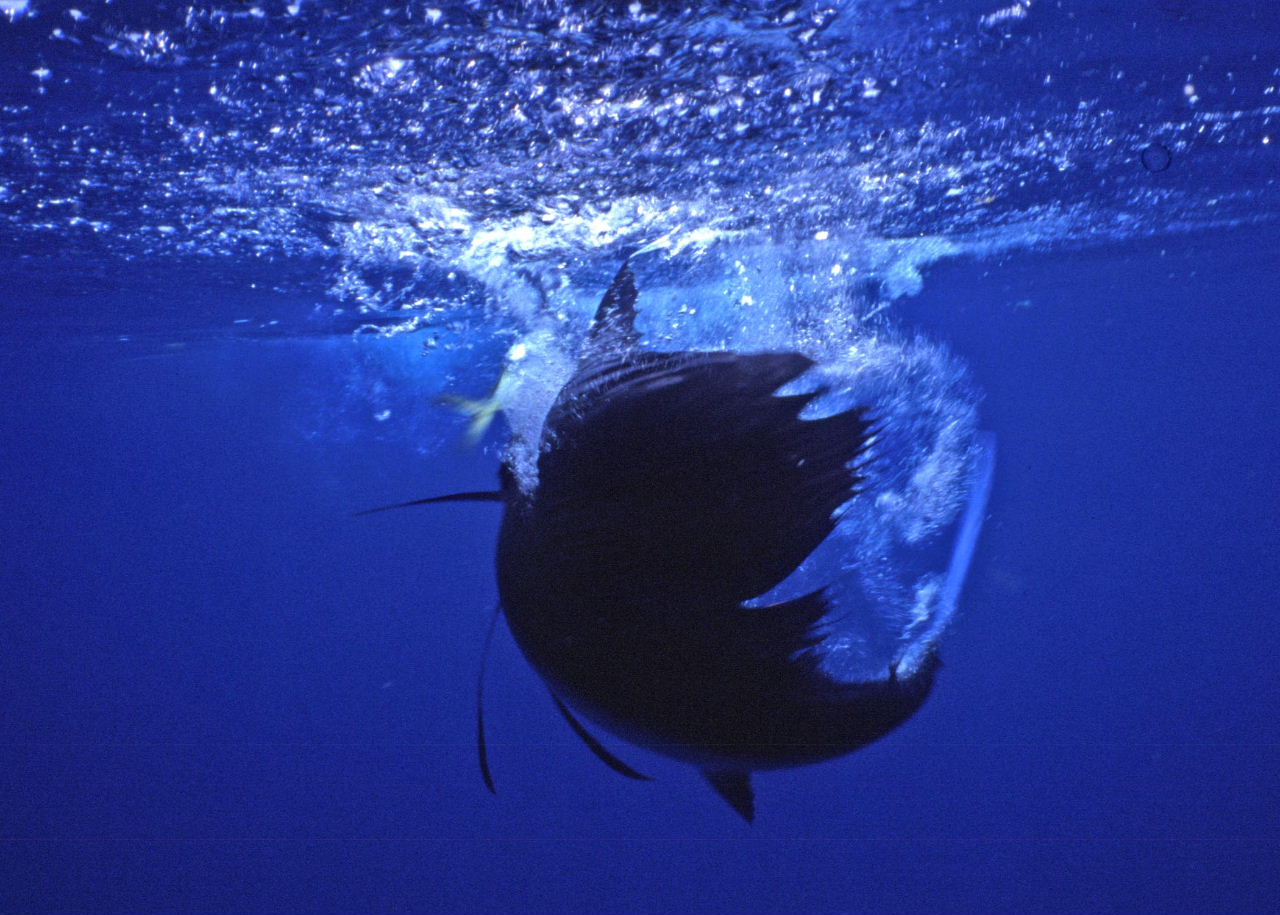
{"points": [[222, 692]]}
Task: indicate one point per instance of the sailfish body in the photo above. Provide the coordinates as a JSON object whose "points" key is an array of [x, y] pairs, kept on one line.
{"points": [[671, 490], [672, 493]]}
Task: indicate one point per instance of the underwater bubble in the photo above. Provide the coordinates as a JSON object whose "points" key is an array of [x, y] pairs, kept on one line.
{"points": [[1156, 157]]}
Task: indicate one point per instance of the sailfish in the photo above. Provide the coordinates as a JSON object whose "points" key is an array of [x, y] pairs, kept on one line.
{"points": [[672, 490]]}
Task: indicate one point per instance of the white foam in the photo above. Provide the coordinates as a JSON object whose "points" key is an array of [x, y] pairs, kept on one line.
{"points": [[975, 512]]}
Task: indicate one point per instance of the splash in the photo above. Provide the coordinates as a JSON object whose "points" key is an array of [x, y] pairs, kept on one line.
{"points": [[439, 158], [883, 567]]}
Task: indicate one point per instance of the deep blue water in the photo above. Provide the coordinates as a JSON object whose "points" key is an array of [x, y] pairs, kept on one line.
{"points": [[223, 692]]}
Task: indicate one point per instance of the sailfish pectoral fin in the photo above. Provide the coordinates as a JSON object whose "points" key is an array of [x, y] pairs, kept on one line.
{"points": [[734, 785], [596, 746], [482, 747]]}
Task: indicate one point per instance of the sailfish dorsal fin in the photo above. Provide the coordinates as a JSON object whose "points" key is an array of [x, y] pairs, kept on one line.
{"points": [[614, 326]]}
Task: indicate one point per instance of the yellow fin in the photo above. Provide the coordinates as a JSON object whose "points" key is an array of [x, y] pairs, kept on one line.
{"points": [[483, 412]]}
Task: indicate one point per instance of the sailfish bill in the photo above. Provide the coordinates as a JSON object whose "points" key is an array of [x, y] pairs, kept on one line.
{"points": [[483, 496]]}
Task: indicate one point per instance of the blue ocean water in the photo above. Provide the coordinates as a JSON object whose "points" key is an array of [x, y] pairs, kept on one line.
{"points": [[244, 247]]}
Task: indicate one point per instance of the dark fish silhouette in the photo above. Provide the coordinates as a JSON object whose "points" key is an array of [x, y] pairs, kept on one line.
{"points": [[672, 488]]}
